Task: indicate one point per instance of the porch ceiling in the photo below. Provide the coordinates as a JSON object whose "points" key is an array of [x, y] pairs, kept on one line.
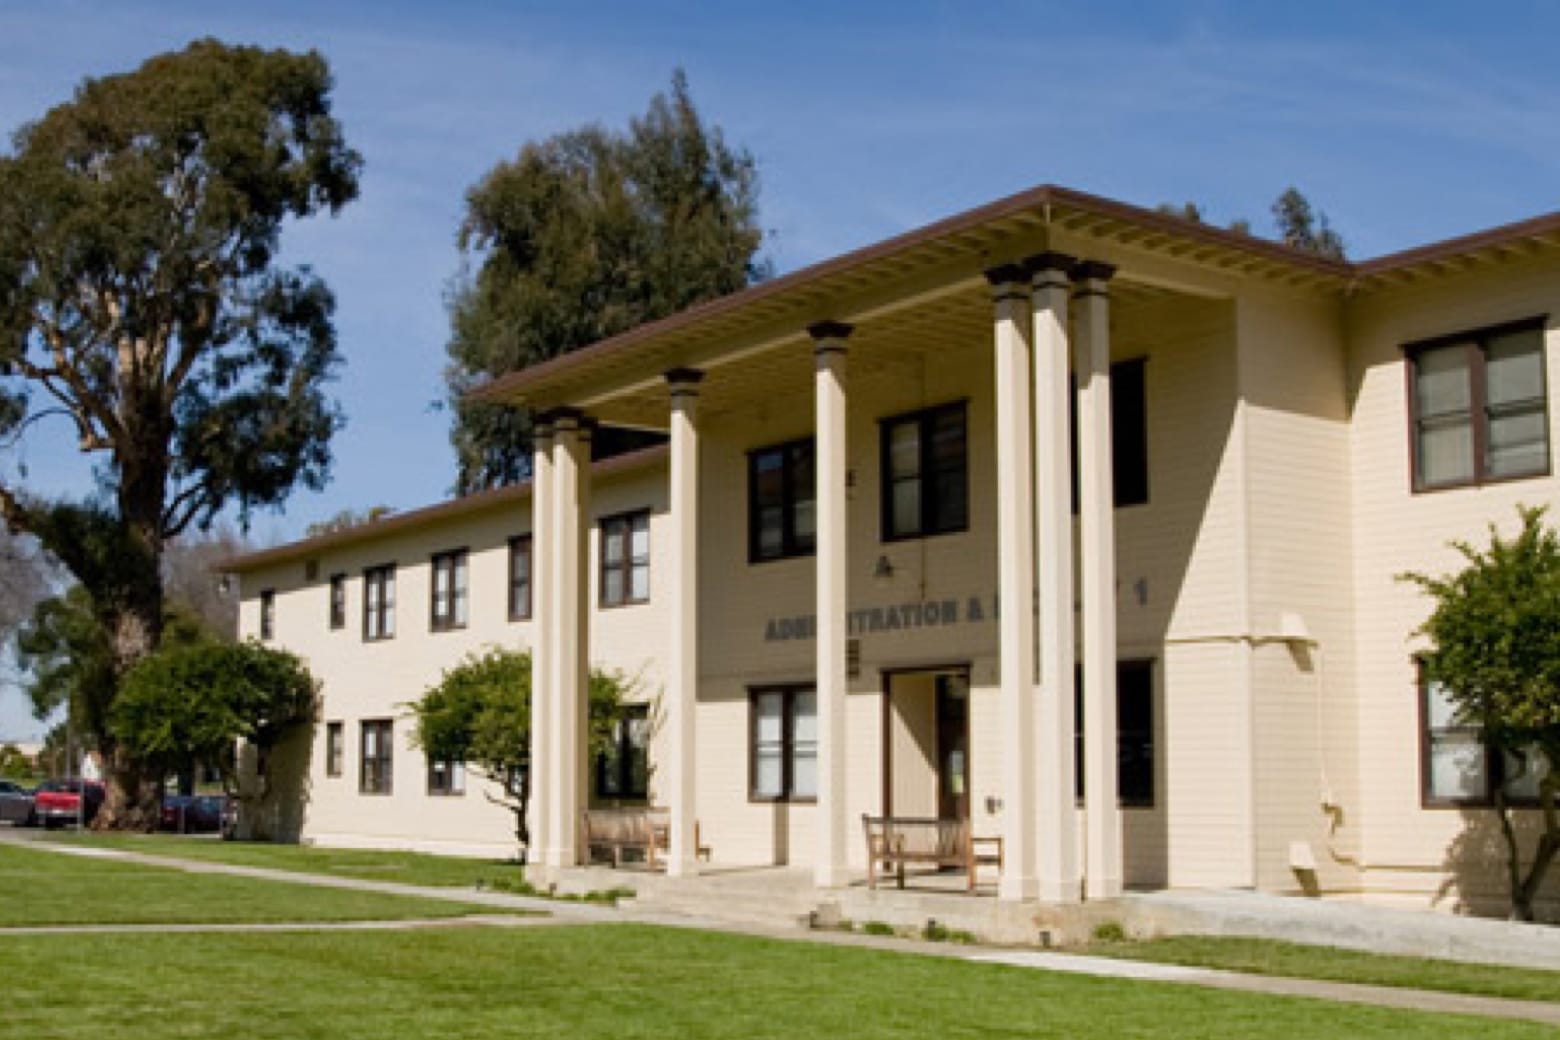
{"points": [[959, 319]]}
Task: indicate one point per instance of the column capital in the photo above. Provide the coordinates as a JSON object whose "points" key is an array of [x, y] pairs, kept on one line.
{"points": [[1006, 274], [686, 380], [1050, 268], [541, 426], [829, 336], [1093, 271]]}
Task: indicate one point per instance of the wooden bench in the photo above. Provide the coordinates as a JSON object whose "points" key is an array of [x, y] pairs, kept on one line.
{"points": [[894, 841], [646, 830]]}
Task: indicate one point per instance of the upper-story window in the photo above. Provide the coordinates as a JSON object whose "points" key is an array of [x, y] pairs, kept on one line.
{"points": [[1478, 407], [625, 559], [926, 473], [447, 607], [782, 494], [379, 602], [1128, 433], [268, 614], [520, 578], [338, 601]]}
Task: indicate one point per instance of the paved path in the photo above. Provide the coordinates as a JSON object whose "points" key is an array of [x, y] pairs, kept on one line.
{"points": [[564, 912]]}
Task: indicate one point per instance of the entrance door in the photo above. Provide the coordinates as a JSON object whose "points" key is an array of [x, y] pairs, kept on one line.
{"points": [[953, 746]]}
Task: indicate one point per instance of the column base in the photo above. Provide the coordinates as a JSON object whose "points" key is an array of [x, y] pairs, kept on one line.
{"points": [[835, 875], [682, 868], [1018, 889], [1103, 888], [1061, 892], [541, 875]]}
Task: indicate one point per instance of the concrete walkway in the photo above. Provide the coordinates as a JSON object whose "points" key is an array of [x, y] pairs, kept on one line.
{"points": [[563, 912]]}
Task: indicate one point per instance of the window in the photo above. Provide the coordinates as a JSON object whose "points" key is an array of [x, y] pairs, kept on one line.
{"points": [[782, 493], [1134, 733], [374, 760], [520, 578], [268, 614], [379, 602], [1478, 407], [623, 771], [625, 559], [447, 609], [925, 473], [783, 744], [1128, 433], [446, 779], [338, 601], [1458, 768], [334, 738]]}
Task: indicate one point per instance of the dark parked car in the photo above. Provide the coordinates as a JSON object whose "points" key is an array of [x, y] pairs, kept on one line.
{"points": [[194, 814], [16, 804], [58, 802]]}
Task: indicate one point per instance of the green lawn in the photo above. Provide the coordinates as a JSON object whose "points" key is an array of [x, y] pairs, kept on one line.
{"points": [[622, 981], [38, 887], [1267, 957], [411, 868]]}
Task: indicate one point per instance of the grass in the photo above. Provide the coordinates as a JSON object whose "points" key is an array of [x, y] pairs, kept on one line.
{"points": [[623, 981], [1268, 957], [48, 888], [409, 868]]}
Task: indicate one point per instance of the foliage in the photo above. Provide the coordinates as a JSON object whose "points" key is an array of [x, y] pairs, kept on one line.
{"points": [[1495, 647], [14, 763], [191, 704], [583, 236], [1301, 227], [189, 568], [346, 520], [479, 713], [141, 302], [24, 580]]}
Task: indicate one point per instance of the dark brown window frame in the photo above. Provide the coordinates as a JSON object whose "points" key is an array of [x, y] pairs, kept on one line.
{"points": [[788, 692], [449, 790], [386, 758], [1147, 665], [925, 418], [790, 546], [620, 759], [627, 519], [457, 562], [1476, 341], [337, 609], [335, 747], [1494, 760], [267, 614], [521, 545], [383, 576]]}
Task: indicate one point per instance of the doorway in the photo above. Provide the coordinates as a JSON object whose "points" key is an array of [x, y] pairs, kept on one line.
{"points": [[926, 742]]}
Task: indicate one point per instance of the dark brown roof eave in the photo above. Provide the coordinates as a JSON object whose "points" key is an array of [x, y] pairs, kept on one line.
{"points": [[399, 522]]}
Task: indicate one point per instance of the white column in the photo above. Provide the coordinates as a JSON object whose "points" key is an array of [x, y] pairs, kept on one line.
{"points": [[1096, 520], [542, 676], [1060, 877], [1015, 580], [829, 337], [682, 666], [570, 636]]}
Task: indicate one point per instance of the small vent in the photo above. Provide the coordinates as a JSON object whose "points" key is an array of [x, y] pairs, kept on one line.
{"points": [[311, 570], [853, 658]]}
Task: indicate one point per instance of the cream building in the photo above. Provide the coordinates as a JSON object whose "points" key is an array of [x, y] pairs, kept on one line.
{"points": [[1200, 456]]}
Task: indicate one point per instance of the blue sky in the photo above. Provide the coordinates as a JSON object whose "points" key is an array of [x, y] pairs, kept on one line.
{"points": [[1404, 122]]}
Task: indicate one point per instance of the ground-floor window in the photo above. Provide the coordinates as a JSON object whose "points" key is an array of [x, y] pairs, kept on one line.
{"points": [[1135, 750], [446, 778], [783, 744], [375, 759], [623, 770], [1458, 767], [333, 748]]}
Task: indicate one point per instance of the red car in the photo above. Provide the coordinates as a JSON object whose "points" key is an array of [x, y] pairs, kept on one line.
{"points": [[58, 802]]}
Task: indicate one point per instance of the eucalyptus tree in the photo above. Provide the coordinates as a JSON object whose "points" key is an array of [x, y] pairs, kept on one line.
{"points": [[144, 311]]}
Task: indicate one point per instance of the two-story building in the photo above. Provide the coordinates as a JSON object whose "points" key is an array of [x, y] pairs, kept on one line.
{"points": [[1197, 460]]}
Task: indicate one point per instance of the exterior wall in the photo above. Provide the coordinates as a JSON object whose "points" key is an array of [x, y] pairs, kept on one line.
{"points": [[1449, 858], [375, 680]]}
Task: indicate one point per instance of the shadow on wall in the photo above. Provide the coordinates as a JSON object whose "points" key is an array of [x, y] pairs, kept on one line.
{"points": [[1476, 866], [273, 807]]}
